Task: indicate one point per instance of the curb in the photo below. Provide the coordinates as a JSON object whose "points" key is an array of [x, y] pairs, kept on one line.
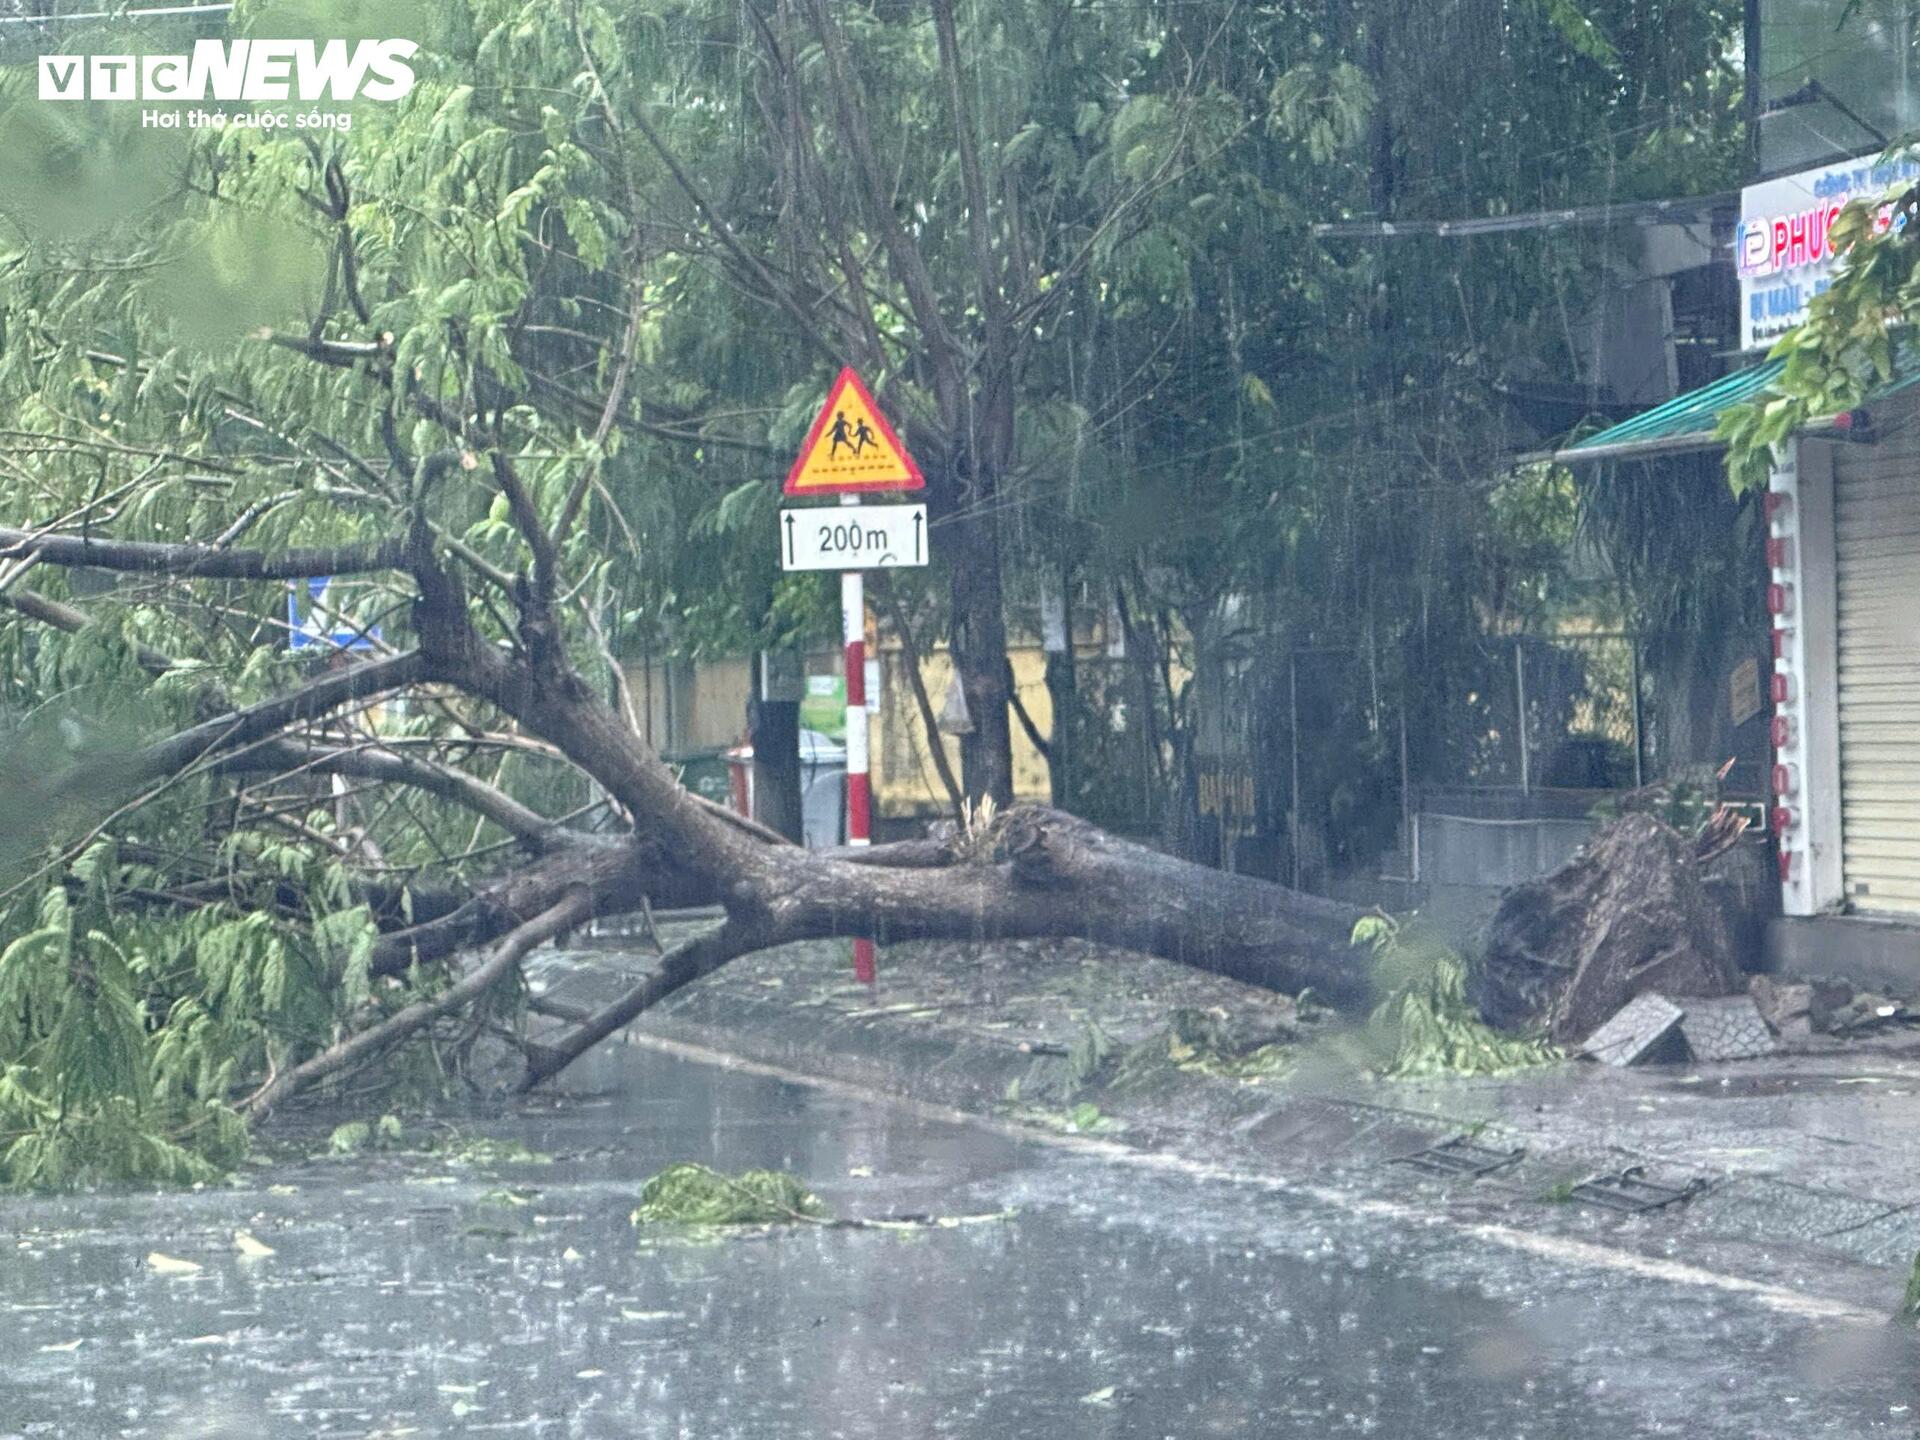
{"points": [[1765, 1230]]}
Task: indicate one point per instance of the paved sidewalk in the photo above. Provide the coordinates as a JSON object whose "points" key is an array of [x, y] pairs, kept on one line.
{"points": [[1810, 1163]]}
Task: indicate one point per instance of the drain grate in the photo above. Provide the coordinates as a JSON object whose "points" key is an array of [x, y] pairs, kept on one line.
{"points": [[1463, 1157], [1629, 1192]]}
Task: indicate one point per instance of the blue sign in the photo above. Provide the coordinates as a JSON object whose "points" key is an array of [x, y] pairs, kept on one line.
{"points": [[1781, 245], [314, 619]]}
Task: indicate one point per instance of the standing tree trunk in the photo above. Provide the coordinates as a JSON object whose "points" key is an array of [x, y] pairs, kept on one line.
{"points": [[773, 729], [980, 650]]}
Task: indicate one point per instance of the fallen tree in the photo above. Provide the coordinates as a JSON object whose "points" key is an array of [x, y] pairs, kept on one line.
{"points": [[233, 872], [1025, 873]]}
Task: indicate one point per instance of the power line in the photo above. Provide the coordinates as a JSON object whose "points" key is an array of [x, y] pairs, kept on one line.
{"points": [[1688, 209]]}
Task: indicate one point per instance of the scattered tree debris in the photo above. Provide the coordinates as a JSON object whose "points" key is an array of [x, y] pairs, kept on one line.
{"points": [[699, 1198], [1866, 1013], [1425, 1025], [690, 1194], [1194, 1041]]}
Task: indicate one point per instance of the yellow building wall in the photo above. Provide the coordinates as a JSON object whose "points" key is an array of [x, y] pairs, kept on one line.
{"points": [[703, 707], [692, 706], [905, 782]]}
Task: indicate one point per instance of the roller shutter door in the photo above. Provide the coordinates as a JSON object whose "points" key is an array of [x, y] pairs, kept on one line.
{"points": [[1876, 516]]}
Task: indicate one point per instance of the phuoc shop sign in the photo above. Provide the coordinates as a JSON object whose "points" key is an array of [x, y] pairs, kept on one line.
{"points": [[1782, 246]]}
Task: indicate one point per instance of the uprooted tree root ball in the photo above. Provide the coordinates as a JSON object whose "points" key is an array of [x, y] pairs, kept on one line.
{"points": [[1635, 910]]}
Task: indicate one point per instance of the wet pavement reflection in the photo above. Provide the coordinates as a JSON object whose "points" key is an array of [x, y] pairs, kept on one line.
{"points": [[410, 1296]]}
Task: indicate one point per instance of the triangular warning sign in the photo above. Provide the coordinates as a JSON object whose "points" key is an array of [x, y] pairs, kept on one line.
{"points": [[852, 447]]}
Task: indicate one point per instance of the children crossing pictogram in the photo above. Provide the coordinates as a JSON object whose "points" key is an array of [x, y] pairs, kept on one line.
{"points": [[852, 448]]}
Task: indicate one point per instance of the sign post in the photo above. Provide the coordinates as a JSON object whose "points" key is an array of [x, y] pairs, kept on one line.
{"points": [[851, 450], [853, 634]]}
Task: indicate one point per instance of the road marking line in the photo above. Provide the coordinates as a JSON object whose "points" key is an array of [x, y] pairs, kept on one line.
{"points": [[1562, 1249]]}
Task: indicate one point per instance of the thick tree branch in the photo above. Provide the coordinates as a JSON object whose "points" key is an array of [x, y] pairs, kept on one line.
{"points": [[61, 616], [620, 875], [1047, 873], [563, 915], [526, 519], [678, 968], [201, 561], [897, 855], [257, 722], [369, 762], [548, 697]]}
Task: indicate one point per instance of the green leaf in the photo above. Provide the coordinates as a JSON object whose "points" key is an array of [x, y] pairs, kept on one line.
{"points": [[353, 1136]]}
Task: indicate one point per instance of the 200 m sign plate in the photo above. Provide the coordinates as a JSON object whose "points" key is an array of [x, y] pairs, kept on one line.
{"points": [[853, 537]]}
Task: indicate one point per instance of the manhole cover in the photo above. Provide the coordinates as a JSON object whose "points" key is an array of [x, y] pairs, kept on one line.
{"points": [[1630, 1192], [1461, 1156]]}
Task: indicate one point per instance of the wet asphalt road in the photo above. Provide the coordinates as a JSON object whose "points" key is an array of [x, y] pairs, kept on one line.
{"points": [[410, 1296]]}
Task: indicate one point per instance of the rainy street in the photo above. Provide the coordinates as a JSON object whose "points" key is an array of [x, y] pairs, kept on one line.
{"points": [[898, 719], [407, 1295]]}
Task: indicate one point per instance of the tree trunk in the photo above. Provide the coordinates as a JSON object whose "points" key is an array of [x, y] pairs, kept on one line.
{"points": [[980, 648], [1037, 873], [1043, 873], [774, 726]]}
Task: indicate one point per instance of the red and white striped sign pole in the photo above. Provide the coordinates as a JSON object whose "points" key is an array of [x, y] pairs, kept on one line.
{"points": [[851, 450], [853, 632]]}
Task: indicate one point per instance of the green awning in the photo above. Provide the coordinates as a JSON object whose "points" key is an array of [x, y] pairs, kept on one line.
{"points": [[1685, 422]]}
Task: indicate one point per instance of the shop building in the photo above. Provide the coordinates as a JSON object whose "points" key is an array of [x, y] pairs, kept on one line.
{"points": [[1842, 566]]}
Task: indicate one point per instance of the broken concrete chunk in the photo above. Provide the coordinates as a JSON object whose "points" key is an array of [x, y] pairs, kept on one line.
{"points": [[1866, 1012], [1830, 999], [1729, 1029], [1785, 1005], [1645, 1028]]}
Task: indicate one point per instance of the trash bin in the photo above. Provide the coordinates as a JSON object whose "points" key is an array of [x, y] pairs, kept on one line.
{"points": [[823, 789], [705, 772]]}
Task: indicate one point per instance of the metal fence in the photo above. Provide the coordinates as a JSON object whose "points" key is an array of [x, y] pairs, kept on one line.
{"points": [[1323, 758], [1563, 712], [1314, 765]]}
